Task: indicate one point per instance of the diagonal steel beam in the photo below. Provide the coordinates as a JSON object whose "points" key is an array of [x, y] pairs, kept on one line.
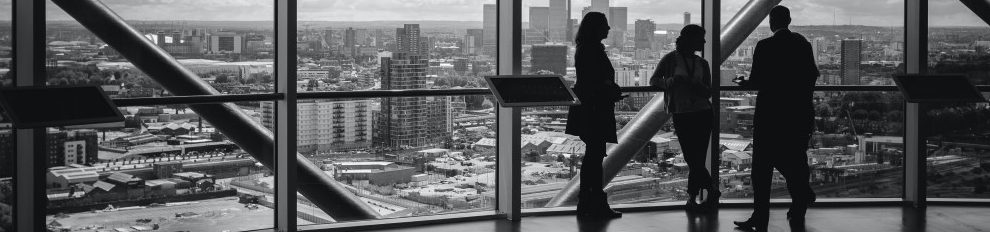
{"points": [[632, 138], [979, 7], [742, 24], [647, 122], [251, 136]]}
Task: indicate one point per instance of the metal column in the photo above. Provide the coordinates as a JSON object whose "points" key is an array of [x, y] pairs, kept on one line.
{"points": [[251, 136], [711, 19], [285, 118], [509, 171], [632, 138], [31, 160], [916, 61]]}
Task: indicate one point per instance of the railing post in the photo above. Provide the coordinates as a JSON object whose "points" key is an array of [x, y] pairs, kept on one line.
{"points": [[916, 62], [285, 129], [508, 62], [30, 159]]}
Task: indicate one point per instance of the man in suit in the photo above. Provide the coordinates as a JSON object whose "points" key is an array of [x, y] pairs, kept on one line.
{"points": [[784, 72]]}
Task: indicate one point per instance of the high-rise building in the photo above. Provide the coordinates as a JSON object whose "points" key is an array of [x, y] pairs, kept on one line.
{"points": [[409, 121], [539, 25], [72, 147], [618, 18], [408, 41], [551, 58], [226, 43], [851, 56], [534, 36], [473, 40], [328, 125], [539, 18], [600, 6], [644, 33], [559, 15], [625, 77], [619, 23], [350, 42], [488, 24], [687, 18]]}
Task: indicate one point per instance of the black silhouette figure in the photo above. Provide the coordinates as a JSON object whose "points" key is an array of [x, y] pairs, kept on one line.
{"points": [[594, 120], [686, 80], [784, 73]]}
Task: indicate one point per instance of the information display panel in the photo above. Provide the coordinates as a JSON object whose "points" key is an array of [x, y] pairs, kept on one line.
{"points": [[36, 107], [531, 90], [938, 88]]}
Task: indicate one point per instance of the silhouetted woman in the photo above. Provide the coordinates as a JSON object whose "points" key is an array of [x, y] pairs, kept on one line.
{"points": [[594, 120], [686, 81]]}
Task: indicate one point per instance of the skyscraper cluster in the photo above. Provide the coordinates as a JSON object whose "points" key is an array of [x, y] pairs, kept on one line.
{"points": [[551, 22]]}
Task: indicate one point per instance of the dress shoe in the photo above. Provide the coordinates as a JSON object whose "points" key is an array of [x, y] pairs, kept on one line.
{"points": [[751, 225]]}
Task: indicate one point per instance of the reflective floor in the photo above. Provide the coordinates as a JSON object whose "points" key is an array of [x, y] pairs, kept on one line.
{"points": [[934, 218]]}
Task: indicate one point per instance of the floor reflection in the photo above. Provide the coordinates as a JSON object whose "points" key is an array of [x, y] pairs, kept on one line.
{"points": [[913, 219], [590, 225], [702, 222]]}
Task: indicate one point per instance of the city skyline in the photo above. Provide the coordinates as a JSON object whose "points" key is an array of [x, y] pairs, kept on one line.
{"points": [[806, 12]]}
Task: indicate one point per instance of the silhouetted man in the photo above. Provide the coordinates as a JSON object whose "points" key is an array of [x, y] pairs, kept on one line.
{"points": [[784, 73]]}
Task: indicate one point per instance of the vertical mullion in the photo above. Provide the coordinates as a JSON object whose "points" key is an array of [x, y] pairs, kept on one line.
{"points": [[29, 70], [285, 129], [916, 48], [508, 62], [710, 19]]}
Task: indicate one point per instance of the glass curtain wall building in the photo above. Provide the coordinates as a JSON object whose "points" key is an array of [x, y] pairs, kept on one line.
{"points": [[392, 121]]}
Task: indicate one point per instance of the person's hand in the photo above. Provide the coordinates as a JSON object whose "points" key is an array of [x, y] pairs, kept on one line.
{"points": [[739, 80]]}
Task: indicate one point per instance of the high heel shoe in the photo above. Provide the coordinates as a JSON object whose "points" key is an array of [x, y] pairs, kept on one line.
{"points": [[692, 204], [711, 202]]}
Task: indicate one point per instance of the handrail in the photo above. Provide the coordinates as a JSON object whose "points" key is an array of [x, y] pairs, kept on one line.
{"points": [[204, 99], [207, 99]]}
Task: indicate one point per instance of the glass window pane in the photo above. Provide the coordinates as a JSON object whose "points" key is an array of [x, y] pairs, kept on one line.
{"points": [[403, 156], [855, 151], [226, 45], [167, 169], [956, 43], [957, 132], [379, 44], [956, 136], [7, 143], [7, 164], [859, 43]]}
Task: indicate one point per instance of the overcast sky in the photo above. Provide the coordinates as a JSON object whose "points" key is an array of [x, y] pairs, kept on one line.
{"points": [[804, 12]]}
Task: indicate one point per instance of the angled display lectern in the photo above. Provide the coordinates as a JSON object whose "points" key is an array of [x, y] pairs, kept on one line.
{"points": [[512, 93]]}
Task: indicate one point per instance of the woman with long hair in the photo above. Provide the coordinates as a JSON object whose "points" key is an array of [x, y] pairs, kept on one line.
{"points": [[686, 80], [594, 120]]}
